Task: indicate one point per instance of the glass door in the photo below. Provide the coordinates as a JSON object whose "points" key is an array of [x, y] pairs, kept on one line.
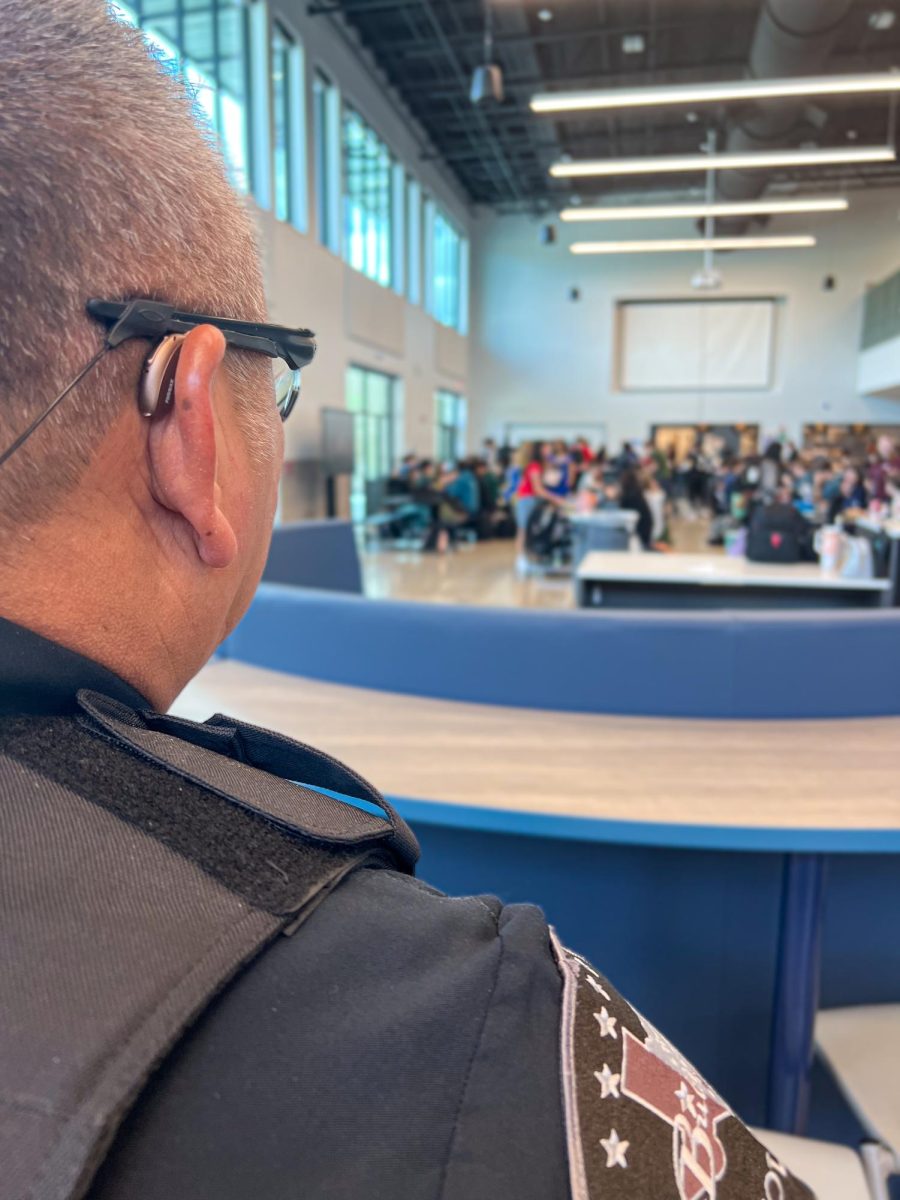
{"points": [[449, 425], [370, 397]]}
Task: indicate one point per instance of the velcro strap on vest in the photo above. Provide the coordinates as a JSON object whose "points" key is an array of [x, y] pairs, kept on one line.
{"points": [[138, 877]]}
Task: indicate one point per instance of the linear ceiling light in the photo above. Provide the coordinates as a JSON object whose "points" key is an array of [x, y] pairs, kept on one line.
{"points": [[710, 93], [683, 245], [724, 162], [737, 208]]}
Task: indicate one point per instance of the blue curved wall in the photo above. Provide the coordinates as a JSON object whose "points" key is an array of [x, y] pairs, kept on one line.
{"points": [[710, 664], [315, 554]]}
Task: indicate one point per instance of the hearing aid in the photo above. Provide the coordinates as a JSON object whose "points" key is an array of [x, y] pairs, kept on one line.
{"points": [[156, 390]]}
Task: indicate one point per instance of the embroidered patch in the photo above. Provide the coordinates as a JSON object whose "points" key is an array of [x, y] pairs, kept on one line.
{"points": [[641, 1122]]}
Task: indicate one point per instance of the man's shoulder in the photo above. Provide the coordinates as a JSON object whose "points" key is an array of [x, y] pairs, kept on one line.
{"points": [[374, 901], [401, 1043]]}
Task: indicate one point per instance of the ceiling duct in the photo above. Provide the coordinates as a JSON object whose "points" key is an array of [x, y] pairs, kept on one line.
{"points": [[792, 37]]}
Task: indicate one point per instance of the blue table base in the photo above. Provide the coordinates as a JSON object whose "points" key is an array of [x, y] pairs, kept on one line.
{"points": [[797, 982]]}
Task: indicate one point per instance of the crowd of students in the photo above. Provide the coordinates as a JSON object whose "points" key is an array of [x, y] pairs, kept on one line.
{"points": [[441, 501], [498, 492], [774, 504], [823, 483]]}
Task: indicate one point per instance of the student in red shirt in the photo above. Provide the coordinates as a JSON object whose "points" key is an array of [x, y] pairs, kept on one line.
{"points": [[531, 489]]}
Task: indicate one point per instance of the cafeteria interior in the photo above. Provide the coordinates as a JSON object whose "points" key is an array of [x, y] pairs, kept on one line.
{"points": [[587, 552]]}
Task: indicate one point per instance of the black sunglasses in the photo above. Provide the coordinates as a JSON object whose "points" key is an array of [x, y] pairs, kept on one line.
{"points": [[151, 319]]}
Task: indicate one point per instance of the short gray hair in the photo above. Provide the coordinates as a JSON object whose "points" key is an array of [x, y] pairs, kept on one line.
{"points": [[108, 188]]}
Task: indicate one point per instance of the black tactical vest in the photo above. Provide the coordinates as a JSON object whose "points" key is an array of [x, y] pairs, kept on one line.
{"points": [[146, 859]]}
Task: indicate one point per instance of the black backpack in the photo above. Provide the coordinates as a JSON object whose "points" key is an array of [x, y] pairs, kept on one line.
{"points": [[779, 534]]}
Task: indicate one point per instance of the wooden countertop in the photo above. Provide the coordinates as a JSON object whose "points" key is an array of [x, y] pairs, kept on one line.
{"points": [[778, 785]]}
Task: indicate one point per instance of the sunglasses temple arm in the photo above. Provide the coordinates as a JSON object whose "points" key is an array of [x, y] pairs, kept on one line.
{"points": [[23, 437]]}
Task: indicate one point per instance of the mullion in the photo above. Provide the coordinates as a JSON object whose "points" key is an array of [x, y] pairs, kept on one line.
{"points": [[180, 38], [217, 51], [247, 98]]}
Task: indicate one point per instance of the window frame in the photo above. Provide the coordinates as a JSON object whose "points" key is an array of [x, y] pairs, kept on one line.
{"points": [[293, 114], [368, 199], [365, 419], [456, 426], [244, 174], [327, 159], [414, 224]]}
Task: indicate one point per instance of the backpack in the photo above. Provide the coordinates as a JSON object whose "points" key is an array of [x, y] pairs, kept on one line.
{"points": [[779, 534]]}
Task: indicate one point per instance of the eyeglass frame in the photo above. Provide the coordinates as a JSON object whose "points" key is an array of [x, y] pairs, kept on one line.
{"points": [[150, 318], [155, 320]]}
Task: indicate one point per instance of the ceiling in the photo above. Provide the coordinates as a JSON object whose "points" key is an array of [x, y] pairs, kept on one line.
{"points": [[500, 155]]}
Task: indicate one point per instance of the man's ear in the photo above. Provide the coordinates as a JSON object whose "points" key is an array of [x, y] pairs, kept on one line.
{"points": [[182, 449]]}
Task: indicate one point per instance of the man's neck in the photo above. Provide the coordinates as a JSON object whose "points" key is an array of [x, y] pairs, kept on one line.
{"points": [[99, 601]]}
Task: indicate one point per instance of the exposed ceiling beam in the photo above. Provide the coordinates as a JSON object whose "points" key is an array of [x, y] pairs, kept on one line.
{"points": [[330, 8], [427, 49], [723, 70], [439, 86], [416, 48], [499, 158], [459, 150]]}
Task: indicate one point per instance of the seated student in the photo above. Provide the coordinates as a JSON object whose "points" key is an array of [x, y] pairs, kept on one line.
{"points": [[447, 513], [593, 479], [850, 494], [558, 470], [778, 532], [490, 518], [460, 483], [657, 502], [631, 496], [218, 980], [407, 466], [488, 485], [581, 451], [490, 453]]}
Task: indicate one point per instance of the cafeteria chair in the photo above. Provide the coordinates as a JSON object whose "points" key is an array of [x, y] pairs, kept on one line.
{"points": [[832, 1172], [861, 1048]]}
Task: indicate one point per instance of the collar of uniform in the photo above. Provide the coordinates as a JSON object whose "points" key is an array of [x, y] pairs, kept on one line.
{"points": [[38, 676]]}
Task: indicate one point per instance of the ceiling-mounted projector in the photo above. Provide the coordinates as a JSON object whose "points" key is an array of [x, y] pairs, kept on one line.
{"points": [[487, 85], [707, 279]]}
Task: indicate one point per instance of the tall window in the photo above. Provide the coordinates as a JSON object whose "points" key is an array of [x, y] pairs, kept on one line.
{"points": [[398, 228], [450, 411], [326, 134], [371, 399], [368, 200], [446, 263], [414, 241], [289, 127], [206, 42]]}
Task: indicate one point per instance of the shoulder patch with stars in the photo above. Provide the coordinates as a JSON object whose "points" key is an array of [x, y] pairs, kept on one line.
{"points": [[640, 1121]]}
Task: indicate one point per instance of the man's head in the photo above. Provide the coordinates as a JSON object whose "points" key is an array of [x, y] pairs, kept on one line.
{"points": [[109, 189]]}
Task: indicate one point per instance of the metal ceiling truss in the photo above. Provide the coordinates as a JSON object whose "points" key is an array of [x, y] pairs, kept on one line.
{"points": [[427, 49]]}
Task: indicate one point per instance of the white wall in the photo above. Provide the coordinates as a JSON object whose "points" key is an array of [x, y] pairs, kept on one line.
{"points": [[355, 320], [537, 356]]}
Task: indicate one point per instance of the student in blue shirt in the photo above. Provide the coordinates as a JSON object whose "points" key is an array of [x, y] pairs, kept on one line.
{"points": [[463, 486]]}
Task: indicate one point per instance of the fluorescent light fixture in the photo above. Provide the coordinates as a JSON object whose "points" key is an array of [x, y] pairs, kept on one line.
{"points": [[724, 162], [686, 245], [737, 208], [712, 93]]}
